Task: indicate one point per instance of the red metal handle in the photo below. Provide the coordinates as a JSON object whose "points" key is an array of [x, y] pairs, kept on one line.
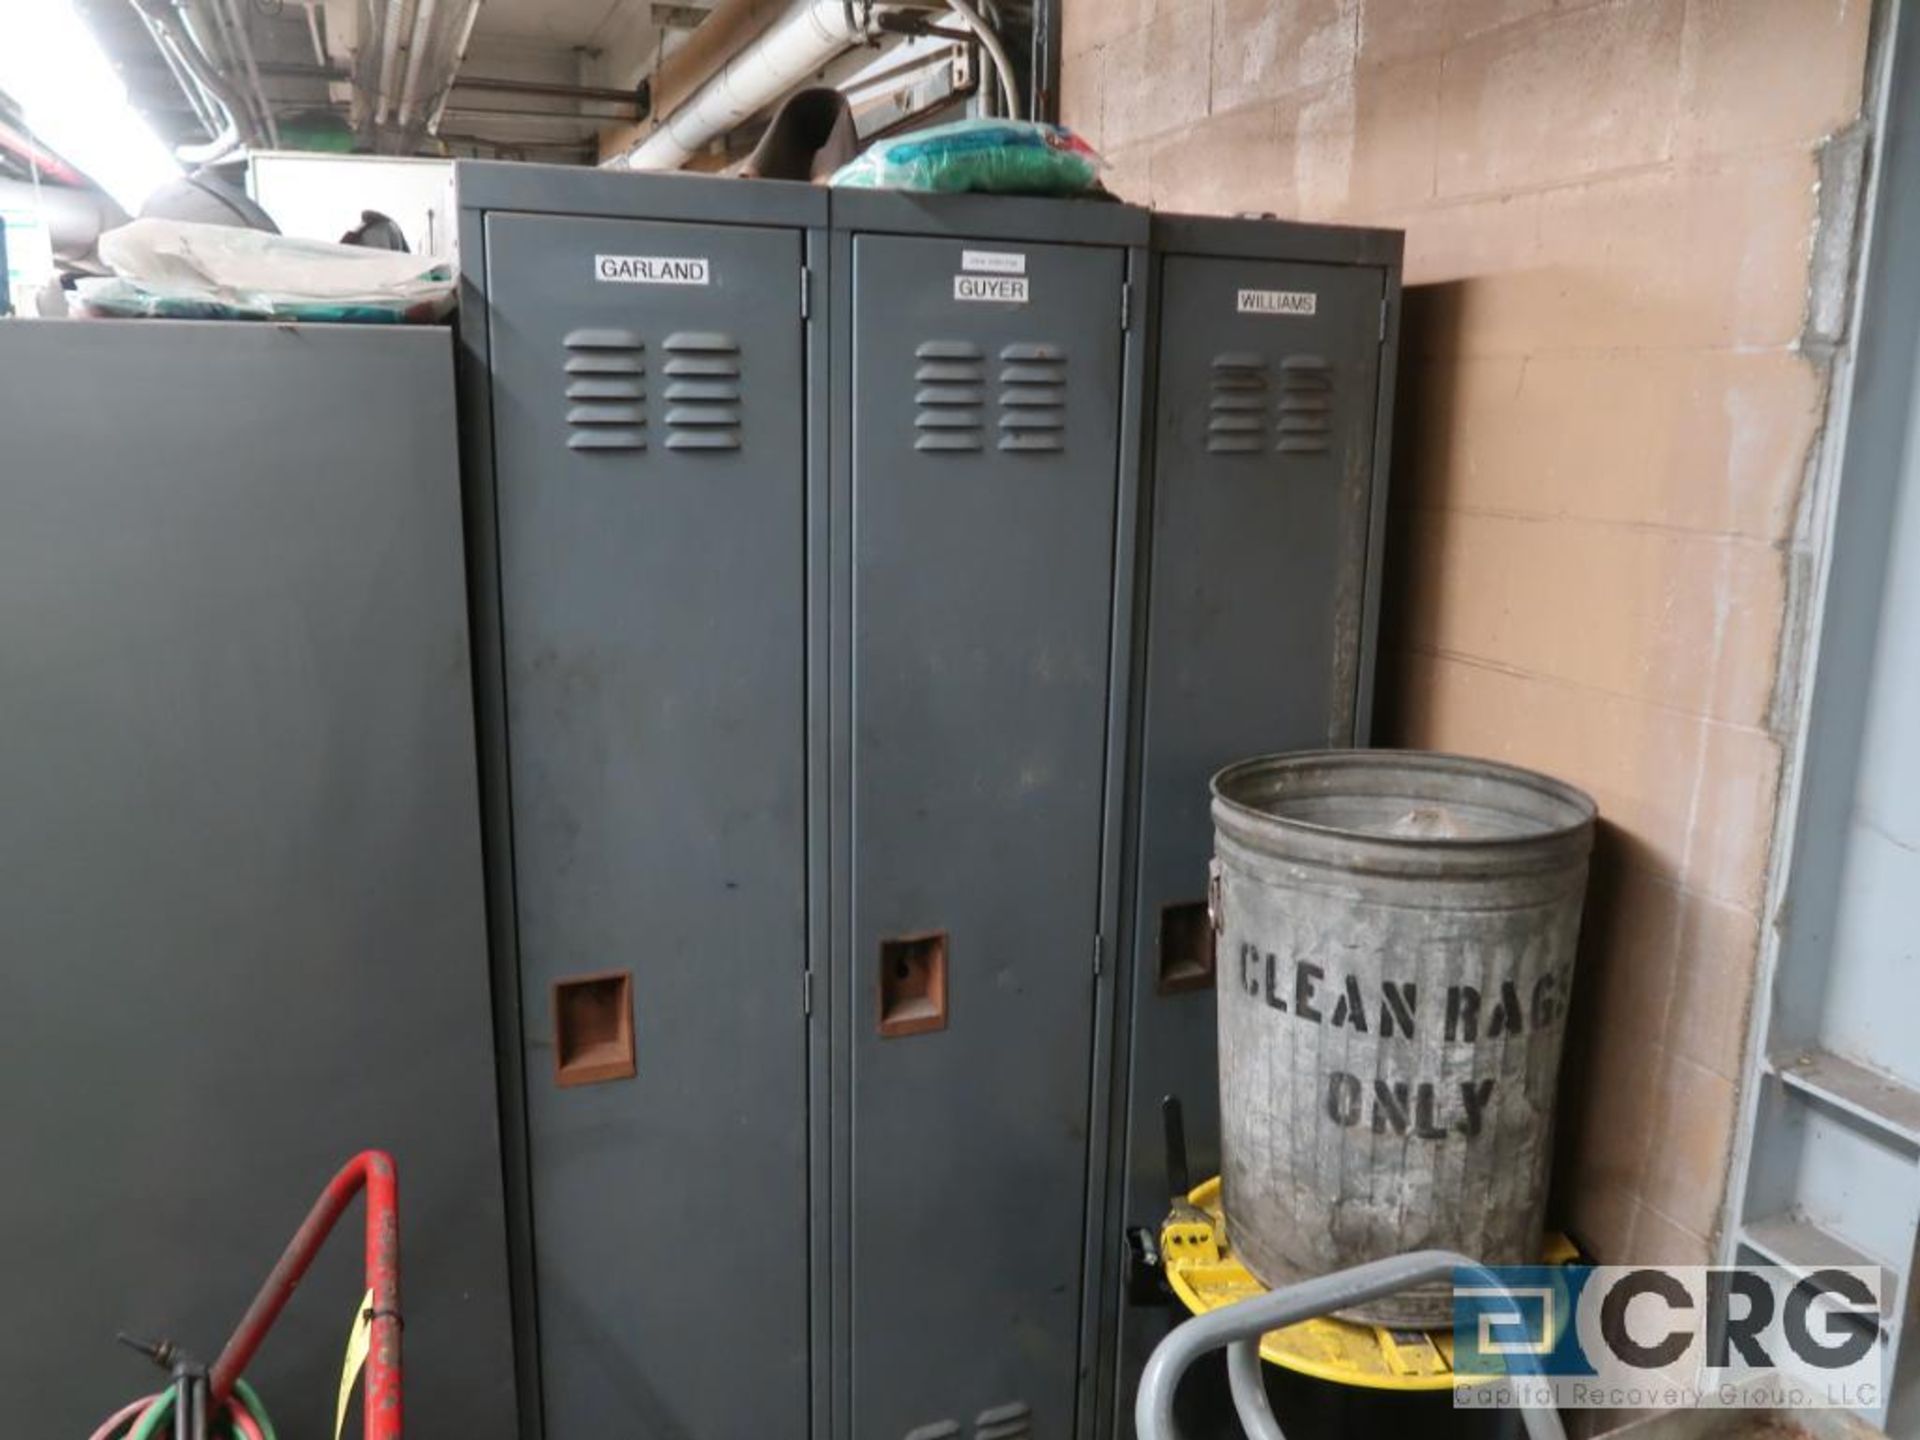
{"points": [[372, 1170]]}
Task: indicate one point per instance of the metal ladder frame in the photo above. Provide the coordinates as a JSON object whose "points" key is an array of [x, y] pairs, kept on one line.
{"points": [[1238, 1329]]}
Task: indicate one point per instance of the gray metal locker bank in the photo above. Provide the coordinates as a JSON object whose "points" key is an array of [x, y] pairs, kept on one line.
{"points": [[986, 352], [1264, 503], [845, 760], [240, 874], [716, 671], [642, 452]]}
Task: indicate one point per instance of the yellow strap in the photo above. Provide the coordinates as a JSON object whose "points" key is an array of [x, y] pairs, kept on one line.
{"points": [[359, 1341]]}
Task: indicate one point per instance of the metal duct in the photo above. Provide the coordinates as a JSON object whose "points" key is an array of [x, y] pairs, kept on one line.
{"points": [[807, 36]]}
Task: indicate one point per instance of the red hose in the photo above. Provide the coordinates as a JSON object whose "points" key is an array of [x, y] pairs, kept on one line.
{"points": [[244, 1425], [238, 1417], [131, 1412], [373, 1171]]}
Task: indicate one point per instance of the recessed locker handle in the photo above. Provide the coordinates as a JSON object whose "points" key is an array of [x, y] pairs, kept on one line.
{"points": [[593, 1028], [1187, 932], [912, 984]]}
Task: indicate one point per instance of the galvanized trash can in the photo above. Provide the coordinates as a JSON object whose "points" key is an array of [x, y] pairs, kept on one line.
{"points": [[1395, 936]]}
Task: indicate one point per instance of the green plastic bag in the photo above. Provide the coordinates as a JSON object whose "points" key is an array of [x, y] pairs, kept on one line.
{"points": [[996, 157]]}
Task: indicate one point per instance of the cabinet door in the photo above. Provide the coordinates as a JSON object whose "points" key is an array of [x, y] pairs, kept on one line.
{"points": [[240, 871], [1261, 484], [984, 473], [649, 432]]}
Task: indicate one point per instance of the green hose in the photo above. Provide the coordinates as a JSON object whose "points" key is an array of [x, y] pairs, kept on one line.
{"points": [[250, 1398], [149, 1423], [156, 1412]]}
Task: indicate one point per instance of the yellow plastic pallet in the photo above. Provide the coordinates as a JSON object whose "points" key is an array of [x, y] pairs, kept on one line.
{"points": [[1201, 1268]]}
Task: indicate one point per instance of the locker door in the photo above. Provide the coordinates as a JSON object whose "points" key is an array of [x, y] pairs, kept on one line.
{"points": [[984, 473], [649, 431], [1261, 481]]}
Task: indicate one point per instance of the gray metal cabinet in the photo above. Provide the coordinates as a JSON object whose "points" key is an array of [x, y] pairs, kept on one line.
{"points": [[240, 865], [1265, 490], [646, 484], [985, 472]]}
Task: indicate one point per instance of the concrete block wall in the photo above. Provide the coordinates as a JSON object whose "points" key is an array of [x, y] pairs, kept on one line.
{"points": [[1612, 391]]}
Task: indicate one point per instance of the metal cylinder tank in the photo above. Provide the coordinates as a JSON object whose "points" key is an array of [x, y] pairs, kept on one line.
{"points": [[1395, 936]]}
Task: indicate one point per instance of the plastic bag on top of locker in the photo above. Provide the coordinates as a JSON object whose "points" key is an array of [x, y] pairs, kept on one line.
{"points": [[185, 270], [997, 157]]}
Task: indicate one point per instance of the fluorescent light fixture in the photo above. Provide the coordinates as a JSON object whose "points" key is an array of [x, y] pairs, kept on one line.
{"points": [[67, 90]]}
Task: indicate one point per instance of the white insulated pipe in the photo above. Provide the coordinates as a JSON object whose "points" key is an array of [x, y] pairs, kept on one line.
{"points": [[806, 37], [393, 18]]}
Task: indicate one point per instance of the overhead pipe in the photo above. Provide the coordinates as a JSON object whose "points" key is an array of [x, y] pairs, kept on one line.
{"points": [[195, 42], [313, 34], [198, 100], [238, 20], [416, 59], [38, 159], [206, 110], [453, 70], [730, 26], [806, 37], [390, 26], [605, 94], [229, 137], [209, 28], [172, 22], [473, 102], [574, 120], [996, 52], [896, 23], [214, 151], [610, 94]]}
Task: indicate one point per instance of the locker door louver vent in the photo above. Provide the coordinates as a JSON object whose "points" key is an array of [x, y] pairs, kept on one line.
{"points": [[950, 401], [606, 390], [703, 391], [1306, 405], [1004, 1422], [1033, 397], [1237, 411]]}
